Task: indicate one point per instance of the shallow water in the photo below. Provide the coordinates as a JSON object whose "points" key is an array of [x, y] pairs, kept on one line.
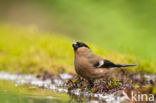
{"points": [[28, 89], [11, 93]]}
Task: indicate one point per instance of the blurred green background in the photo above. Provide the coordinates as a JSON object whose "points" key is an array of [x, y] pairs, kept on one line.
{"points": [[125, 26], [37, 34]]}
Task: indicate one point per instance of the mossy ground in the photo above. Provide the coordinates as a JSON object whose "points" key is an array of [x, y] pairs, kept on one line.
{"points": [[26, 50]]}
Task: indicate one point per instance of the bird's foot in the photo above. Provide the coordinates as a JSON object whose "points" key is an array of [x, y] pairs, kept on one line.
{"points": [[91, 84]]}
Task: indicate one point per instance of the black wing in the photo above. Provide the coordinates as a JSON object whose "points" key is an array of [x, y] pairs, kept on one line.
{"points": [[104, 64], [109, 64]]}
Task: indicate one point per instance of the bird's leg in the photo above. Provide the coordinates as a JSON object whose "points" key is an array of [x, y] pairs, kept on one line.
{"points": [[91, 84], [80, 79]]}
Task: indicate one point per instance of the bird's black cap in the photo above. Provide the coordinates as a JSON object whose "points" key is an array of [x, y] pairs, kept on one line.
{"points": [[77, 45]]}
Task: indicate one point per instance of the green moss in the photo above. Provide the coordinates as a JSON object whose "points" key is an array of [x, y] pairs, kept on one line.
{"points": [[26, 50]]}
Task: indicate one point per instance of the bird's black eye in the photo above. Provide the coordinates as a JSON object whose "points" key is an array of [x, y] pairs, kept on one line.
{"points": [[80, 45]]}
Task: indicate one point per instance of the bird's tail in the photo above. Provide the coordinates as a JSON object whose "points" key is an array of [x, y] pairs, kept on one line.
{"points": [[125, 65]]}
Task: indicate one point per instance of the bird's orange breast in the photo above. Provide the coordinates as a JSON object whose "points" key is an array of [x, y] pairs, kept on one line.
{"points": [[87, 71]]}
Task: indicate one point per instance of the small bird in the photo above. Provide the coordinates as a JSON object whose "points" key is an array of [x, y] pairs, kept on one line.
{"points": [[91, 66]]}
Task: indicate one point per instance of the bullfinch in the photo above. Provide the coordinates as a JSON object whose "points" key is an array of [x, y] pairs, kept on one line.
{"points": [[91, 66]]}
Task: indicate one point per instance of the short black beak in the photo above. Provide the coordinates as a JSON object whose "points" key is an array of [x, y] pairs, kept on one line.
{"points": [[75, 46]]}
